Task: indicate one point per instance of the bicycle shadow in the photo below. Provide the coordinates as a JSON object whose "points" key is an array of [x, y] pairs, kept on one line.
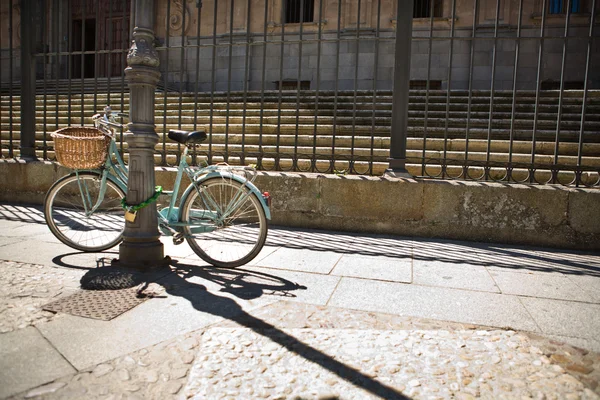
{"points": [[247, 285]]}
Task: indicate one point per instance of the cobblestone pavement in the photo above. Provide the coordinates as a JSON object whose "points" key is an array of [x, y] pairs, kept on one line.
{"points": [[294, 350]]}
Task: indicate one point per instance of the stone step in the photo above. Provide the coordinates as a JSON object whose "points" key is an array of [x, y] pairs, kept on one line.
{"points": [[358, 131], [368, 114], [369, 131], [432, 169], [497, 123], [569, 97], [378, 155], [324, 145]]}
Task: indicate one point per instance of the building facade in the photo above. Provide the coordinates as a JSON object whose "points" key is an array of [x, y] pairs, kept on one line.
{"points": [[230, 45]]}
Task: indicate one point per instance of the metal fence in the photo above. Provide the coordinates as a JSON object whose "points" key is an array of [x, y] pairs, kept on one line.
{"points": [[505, 90]]}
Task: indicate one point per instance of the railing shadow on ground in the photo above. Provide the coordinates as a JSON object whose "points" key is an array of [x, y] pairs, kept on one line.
{"points": [[246, 285], [506, 256]]}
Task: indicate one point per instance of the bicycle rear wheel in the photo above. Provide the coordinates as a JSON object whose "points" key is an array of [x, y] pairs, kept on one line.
{"points": [[224, 242], [65, 212]]}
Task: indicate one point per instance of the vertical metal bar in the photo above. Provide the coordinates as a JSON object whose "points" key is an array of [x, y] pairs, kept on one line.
{"points": [[492, 88], [560, 96], [45, 62], [123, 56], [335, 95], [351, 167], [375, 77], [27, 150], [427, 87], [397, 164], [213, 83], [514, 95], [10, 78], [229, 68], [181, 80], [123, 62], [56, 11], [537, 92], [110, 48], [1, 123], [198, 19], [69, 58], [196, 86], [449, 85], [97, 40], [585, 91], [470, 98], [165, 84], [246, 79], [262, 86], [295, 158], [82, 61], [282, 46], [317, 88]]}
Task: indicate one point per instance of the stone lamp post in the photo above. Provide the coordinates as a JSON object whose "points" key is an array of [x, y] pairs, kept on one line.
{"points": [[141, 247]]}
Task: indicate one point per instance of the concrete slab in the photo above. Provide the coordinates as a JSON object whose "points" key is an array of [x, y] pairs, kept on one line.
{"points": [[338, 242], [386, 246], [184, 308], [295, 286], [549, 286], [321, 262], [21, 213], [589, 283], [44, 252], [28, 360], [372, 267], [453, 275], [7, 240], [565, 318], [433, 302], [16, 228]]}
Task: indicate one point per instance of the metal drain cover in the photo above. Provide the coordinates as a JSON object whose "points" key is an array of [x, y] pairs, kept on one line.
{"points": [[97, 304]]}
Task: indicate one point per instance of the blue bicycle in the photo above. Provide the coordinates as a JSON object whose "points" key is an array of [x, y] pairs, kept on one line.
{"points": [[221, 214]]}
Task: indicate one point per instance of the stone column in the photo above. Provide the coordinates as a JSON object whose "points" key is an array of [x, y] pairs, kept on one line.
{"points": [[141, 247]]}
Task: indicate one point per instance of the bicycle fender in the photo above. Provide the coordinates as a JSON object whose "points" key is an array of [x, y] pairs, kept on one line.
{"points": [[216, 174]]}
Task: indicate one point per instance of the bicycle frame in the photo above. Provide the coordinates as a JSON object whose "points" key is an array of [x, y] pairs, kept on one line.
{"points": [[170, 217]]}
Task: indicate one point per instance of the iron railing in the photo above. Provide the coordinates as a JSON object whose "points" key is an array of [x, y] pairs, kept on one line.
{"points": [[306, 85]]}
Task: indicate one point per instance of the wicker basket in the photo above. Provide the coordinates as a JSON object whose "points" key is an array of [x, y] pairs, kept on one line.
{"points": [[80, 147]]}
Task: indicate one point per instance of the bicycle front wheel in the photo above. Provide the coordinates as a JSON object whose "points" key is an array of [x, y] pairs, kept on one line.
{"points": [[226, 224], [67, 211]]}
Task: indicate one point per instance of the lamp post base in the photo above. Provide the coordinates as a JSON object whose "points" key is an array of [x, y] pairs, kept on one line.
{"points": [[142, 255]]}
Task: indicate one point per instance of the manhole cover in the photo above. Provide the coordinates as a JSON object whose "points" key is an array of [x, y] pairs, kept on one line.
{"points": [[97, 304]]}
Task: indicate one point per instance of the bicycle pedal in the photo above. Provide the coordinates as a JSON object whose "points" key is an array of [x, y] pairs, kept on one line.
{"points": [[178, 238]]}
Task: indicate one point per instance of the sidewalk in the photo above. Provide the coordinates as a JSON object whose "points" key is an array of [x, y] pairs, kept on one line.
{"points": [[315, 315]]}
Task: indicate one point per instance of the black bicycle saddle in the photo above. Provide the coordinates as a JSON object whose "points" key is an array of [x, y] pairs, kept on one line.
{"points": [[186, 137]]}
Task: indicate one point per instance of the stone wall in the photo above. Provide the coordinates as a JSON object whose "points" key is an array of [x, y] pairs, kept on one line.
{"points": [[536, 215]]}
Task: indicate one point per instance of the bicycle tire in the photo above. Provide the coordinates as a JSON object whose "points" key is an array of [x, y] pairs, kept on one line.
{"points": [[66, 218], [237, 240]]}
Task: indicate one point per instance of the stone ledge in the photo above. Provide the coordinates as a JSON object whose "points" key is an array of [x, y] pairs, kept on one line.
{"points": [[534, 215]]}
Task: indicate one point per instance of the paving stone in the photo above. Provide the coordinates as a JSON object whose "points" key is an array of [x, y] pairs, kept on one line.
{"points": [[539, 285], [558, 317], [375, 267], [302, 260], [429, 302], [453, 275], [28, 360]]}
